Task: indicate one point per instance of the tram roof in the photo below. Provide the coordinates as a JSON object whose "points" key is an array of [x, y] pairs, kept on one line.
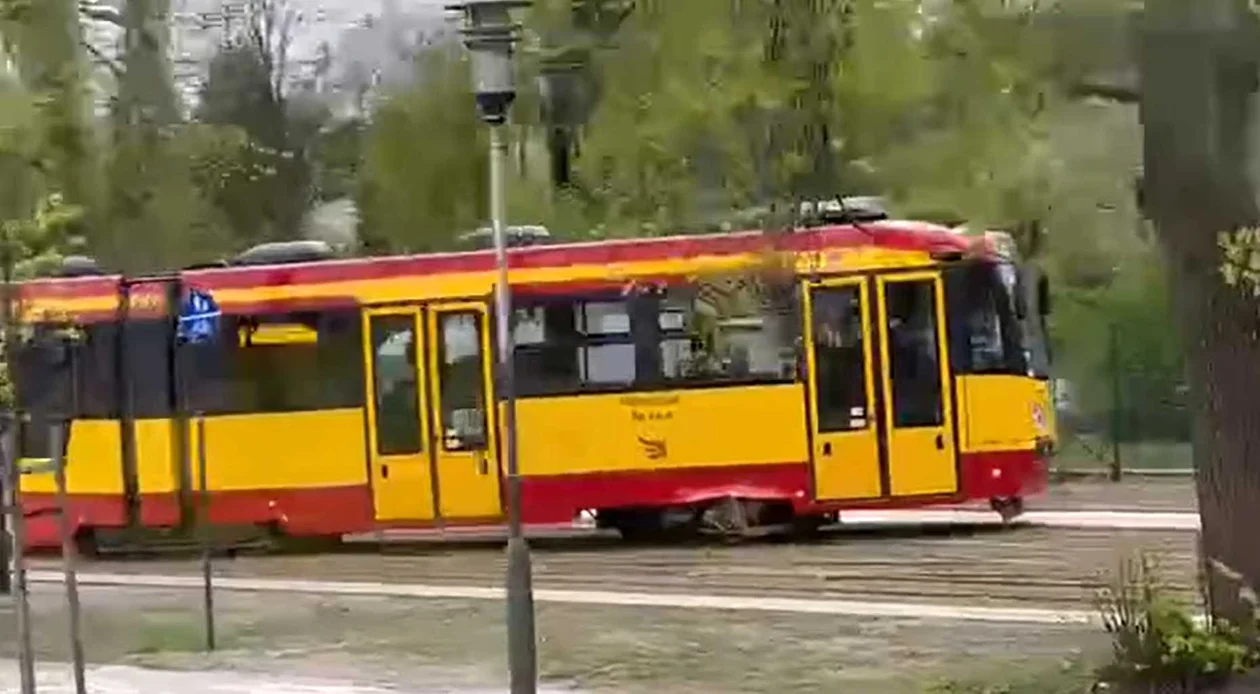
{"points": [[627, 254]]}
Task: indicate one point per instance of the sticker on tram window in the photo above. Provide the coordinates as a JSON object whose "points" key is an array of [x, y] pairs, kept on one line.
{"points": [[857, 423], [857, 411], [277, 334]]}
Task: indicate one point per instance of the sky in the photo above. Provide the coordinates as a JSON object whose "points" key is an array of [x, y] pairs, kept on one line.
{"points": [[366, 36]]}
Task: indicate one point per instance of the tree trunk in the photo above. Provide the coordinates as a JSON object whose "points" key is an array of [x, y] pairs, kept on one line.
{"points": [[1196, 101], [52, 60], [146, 92]]}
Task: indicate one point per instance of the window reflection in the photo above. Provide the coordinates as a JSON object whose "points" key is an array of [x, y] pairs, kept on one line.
{"points": [[462, 382], [396, 385], [985, 334], [914, 353], [839, 359]]}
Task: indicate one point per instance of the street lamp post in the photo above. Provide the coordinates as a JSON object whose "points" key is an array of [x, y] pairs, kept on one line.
{"points": [[490, 33]]}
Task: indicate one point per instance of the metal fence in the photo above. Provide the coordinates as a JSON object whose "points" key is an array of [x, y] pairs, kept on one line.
{"points": [[1129, 417]]}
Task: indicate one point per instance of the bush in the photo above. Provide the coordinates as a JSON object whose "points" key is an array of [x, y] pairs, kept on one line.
{"points": [[1157, 640]]}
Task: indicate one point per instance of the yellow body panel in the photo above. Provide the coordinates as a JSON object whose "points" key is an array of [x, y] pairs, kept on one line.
{"points": [[294, 450], [468, 481], [846, 463], [849, 469], [402, 484], [996, 413], [94, 464], [921, 460], [673, 429], [157, 459], [252, 451]]}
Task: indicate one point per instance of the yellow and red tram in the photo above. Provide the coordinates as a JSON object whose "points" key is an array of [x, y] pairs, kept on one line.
{"points": [[886, 364]]}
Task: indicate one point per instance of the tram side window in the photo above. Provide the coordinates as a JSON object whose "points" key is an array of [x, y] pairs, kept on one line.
{"points": [[915, 353], [545, 339], [461, 375], [395, 386], [840, 359], [985, 335], [716, 339], [607, 355], [42, 384], [148, 355], [567, 346], [98, 387], [293, 362]]}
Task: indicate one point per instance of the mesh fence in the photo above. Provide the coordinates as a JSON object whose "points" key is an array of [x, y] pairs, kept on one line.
{"points": [[1129, 417]]}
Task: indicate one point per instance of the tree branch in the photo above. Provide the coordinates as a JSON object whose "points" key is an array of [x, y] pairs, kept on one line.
{"points": [[98, 13], [114, 66]]}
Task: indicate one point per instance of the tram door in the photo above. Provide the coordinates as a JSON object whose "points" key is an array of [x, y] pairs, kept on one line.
{"points": [[398, 430], [843, 410], [432, 447], [460, 387], [915, 385]]}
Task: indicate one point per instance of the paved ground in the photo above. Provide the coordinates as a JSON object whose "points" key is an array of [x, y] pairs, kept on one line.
{"points": [[125, 679]]}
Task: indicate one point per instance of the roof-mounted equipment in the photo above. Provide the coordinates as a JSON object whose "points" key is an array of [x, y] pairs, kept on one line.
{"points": [[515, 236], [843, 210], [286, 252], [78, 266]]}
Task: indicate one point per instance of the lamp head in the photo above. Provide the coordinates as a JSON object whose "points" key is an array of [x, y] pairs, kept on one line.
{"points": [[490, 35]]}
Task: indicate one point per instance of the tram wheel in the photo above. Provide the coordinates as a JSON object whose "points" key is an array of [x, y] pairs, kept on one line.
{"points": [[651, 525], [808, 527], [1009, 508], [85, 544]]}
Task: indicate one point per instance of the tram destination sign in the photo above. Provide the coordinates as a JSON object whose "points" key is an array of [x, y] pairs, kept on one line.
{"points": [[198, 318]]}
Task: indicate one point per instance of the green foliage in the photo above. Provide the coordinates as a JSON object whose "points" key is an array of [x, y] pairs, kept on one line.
{"points": [[146, 92], [1157, 640], [28, 248], [164, 184], [1147, 365], [265, 194], [425, 169], [1241, 265], [1072, 676], [45, 41], [337, 157]]}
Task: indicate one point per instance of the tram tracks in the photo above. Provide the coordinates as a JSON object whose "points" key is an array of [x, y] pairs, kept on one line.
{"points": [[1061, 568]]}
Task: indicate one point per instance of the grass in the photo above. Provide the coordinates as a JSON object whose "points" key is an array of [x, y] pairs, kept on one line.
{"points": [[168, 632]]}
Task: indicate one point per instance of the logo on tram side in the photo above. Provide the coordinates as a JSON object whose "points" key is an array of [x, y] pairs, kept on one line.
{"points": [[654, 448]]}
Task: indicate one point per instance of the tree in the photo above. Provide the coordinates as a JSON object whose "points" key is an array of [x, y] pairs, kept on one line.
{"points": [[1199, 69], [34, 224], [146, 92], [157, 216], [425, 169], [45, 40], [272, 189]]}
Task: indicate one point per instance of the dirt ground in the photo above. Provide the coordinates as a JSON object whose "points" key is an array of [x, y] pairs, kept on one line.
{"points": [[591, 649]]}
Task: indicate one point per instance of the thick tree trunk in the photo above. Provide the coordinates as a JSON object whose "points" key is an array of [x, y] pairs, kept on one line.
{"points": [[1196, 100]]}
